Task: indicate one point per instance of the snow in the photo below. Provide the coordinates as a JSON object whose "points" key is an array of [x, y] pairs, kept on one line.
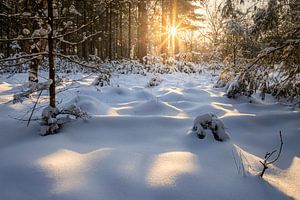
{"points": [[137, 145], [211, 122]]}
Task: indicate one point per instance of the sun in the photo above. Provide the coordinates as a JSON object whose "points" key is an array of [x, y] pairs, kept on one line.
{"points": [[173, 31]]}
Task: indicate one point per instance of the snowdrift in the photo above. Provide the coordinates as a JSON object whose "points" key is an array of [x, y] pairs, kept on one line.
{"points": [[136, 145]]}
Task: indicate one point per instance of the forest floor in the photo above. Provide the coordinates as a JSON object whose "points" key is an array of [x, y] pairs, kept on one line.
{"points": [[136, 144]]}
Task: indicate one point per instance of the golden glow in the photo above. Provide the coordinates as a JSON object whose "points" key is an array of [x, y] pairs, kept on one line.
{"points": [[112, 112], [69, 169], [167, 167], [173, 31], [287, 180], [229, 110]]}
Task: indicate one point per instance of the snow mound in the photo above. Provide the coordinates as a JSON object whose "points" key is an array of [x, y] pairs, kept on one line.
{"points": [[171, 96], [155, 107], [211, 122], [91, 105], [144, 94], [119, 91]]}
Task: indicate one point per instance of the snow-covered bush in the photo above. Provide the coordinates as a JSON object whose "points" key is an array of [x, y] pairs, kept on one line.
{"points": [[155, 81], [211, 122], [103, 79], [49, 121], [53, 118], [233, 89], [259, 59], [157, 67]]}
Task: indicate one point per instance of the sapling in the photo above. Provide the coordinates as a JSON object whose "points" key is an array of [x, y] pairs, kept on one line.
{"points": [[268, 155]]}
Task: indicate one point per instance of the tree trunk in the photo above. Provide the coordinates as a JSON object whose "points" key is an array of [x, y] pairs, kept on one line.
{"points": [[110, 33], [85, 48], [175, 24], [51, 55], [142, 29], [116, 38], [39, 45], [121, 32], [106, 32], [164, 37], [129, 29]]}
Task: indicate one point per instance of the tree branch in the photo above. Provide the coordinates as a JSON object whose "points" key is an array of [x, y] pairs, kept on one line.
{"points": [[81, 63], [268, 155], [25, 56]]}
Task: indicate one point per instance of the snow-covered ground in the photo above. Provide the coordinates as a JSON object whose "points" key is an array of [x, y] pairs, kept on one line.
{"points": [[136, 144]]}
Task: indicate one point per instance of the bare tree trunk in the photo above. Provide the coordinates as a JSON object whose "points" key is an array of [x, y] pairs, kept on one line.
{"points": [[51, 55], [38, 44], [110, 33], [129, 29], [106, 32], [175, 24], [85, 49], [142, 29], [116, 38], [164, 37], [121, 31]]}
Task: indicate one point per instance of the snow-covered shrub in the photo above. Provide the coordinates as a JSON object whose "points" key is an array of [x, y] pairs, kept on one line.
{"points": [[49, 121], [233, 89], [211, 122], [53, 118], [154, 65], [270, 62], [103, 79], [187, 67], [126, 67], [154, 82], [70, 113]]}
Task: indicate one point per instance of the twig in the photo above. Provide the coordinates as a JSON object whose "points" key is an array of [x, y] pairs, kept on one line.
{"points": [[37, 100], [268, 155]]}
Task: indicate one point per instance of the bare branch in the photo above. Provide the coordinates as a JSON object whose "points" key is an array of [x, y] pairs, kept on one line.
{"points": [[80, 28], [82, 63], [268, 155], [82, 41], [37, 100], [280, 149]]}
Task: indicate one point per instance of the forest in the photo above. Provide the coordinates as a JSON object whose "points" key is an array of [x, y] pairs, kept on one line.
{"points": [[216, 83]]}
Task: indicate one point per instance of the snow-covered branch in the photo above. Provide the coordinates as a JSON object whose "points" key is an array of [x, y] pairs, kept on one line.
{"points": [[82, 41], [83, 64], [23, 39], [24, 56], [270, 50], [80, 28], [35, 87], [19, 63]]}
